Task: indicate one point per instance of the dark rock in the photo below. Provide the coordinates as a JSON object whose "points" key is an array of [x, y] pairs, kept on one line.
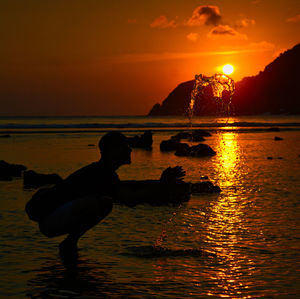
{"points": [[197, 138], [169, 145], [181, 135], [200, 150], [7, 171], [270, 158], [195, 135], [204, 177], [183, 149], [263, 93], [143, 141], [276, 138], [204, 187], [33, 179], [5, 136], [91, 144]]}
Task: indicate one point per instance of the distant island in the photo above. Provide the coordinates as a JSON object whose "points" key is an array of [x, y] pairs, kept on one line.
{"points": [[276, 90]]}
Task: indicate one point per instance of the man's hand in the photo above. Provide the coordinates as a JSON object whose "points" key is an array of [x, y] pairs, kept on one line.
{"points": [[172, 175]]}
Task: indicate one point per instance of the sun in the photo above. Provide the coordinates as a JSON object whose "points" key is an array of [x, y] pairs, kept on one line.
{"points": [[228, 69]]}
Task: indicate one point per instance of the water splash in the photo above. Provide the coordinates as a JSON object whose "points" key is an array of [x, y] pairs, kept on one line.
{"points": [[215, 91], [158, 252], [163, 235]]}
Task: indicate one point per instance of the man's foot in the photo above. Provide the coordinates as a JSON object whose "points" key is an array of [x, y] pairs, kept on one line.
{"points": [[68, 251]]}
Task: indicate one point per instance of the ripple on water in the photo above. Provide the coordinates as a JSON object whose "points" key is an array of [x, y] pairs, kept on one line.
{"points": [[158, 251]]}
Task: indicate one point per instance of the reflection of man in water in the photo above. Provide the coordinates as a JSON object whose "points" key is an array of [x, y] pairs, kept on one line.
{"points": [[84, 198]]}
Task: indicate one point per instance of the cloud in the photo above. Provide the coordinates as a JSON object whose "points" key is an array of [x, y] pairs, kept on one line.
{"points": [[227, 31], [205, 15], [150, 57], [244, 23], [294, 19], [193, 36], [261, 46], [162, 22]]}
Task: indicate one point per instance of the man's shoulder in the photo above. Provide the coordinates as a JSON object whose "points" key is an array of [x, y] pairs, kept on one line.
{"points": [[94, 169]]}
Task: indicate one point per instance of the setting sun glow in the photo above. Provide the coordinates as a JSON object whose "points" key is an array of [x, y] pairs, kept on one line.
{"points": [[228, 69]]}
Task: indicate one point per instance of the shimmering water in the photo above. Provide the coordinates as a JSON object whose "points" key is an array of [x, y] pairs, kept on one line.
{"points": [[249, 233]]}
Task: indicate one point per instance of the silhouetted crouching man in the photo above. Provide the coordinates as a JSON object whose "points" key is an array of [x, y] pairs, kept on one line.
{"points": [[84, 198]]}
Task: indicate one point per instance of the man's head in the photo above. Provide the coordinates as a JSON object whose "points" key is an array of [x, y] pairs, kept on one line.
{"points": [[114, 148]]}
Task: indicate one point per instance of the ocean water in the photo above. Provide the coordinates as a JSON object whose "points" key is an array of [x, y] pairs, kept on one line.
{"points": [[250, 232]]}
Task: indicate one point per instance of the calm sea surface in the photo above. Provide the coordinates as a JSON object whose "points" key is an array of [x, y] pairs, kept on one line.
{"points": [[252, 226]]}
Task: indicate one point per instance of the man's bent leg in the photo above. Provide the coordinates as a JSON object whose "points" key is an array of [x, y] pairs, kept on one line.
{"points": [[75, 218]]}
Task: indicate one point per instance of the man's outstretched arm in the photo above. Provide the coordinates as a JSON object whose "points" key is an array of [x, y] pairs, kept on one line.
{"points": [[170, 188]]}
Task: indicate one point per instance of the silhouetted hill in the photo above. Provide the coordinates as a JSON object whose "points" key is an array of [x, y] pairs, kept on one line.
{"points": [[275, 91]]}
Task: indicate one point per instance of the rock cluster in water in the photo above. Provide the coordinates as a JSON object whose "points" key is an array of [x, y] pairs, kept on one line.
{"points": [[8, 171], [200, 150], [204, 187], [31, 178], [183, 149]]}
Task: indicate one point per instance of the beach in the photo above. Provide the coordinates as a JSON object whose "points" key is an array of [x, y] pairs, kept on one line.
{"points": [[250, 231]]}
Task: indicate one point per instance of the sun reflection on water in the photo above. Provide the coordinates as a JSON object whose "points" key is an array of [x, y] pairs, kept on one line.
{"points": [[227, 158], [226, 228]]}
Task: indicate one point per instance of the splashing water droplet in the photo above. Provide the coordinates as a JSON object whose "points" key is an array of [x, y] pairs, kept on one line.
{"points": [[170, 223], [212, 92]]}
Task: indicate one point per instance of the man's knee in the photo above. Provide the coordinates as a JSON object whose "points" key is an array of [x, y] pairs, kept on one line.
{"points": [[86, 211], [44, 229]]}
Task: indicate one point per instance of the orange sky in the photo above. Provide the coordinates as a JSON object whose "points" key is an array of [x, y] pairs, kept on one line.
{"points": [[120, 57]]}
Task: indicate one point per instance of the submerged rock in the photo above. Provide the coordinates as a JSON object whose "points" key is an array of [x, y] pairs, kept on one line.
{"points": [[181, 135], [8, 171], [204, 187], [174, 143], [200, 150], [169, 145], [276, 138], [196, 138], [143, 141], [5, 136], [195, 135], [33, 179]]}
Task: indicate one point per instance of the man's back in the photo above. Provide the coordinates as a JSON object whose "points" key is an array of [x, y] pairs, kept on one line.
{"points": [[95, 179]]}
